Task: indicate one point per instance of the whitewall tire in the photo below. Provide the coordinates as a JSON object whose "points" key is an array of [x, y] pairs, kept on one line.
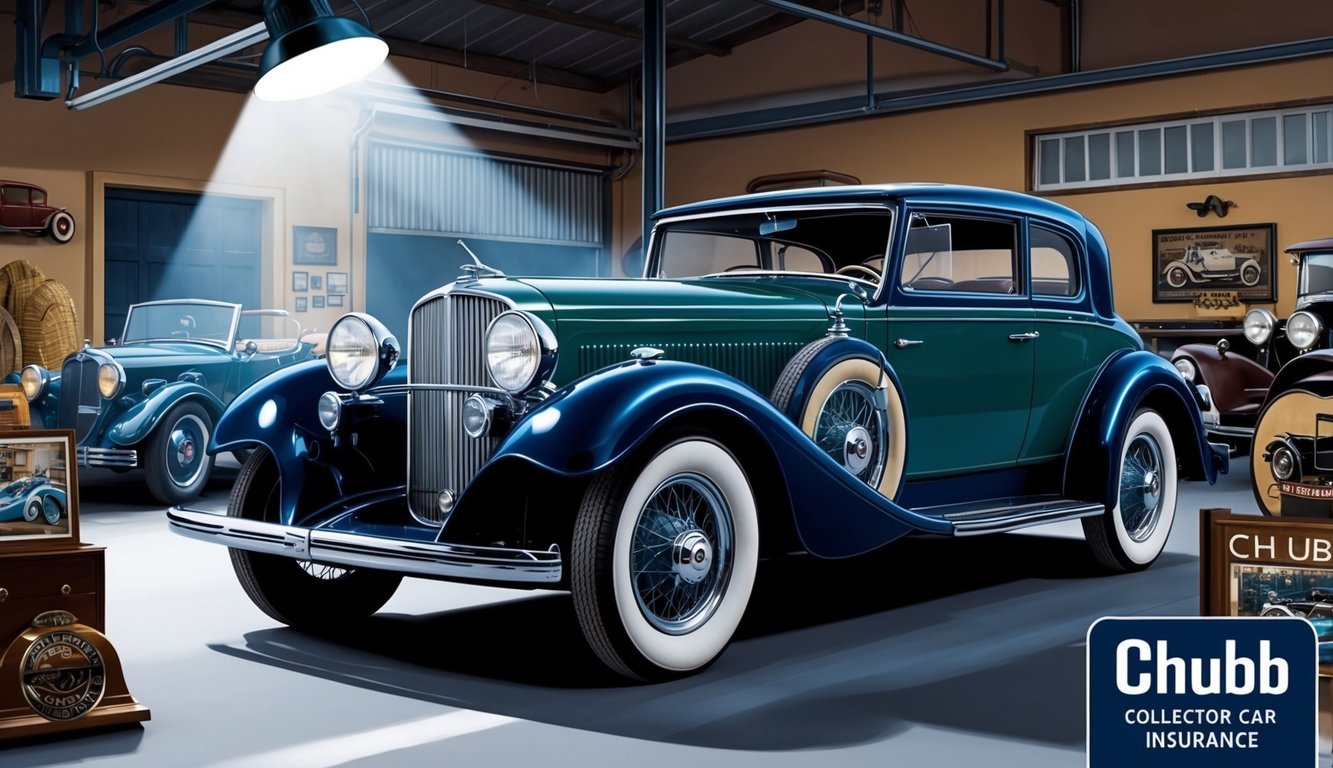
{"points": [[1131, 535]]}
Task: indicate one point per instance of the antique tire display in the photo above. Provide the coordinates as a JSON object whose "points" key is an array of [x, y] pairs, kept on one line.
{"points": [[664, 559], [1130, 536], [840, 413], [175, 460], [298, 593]]}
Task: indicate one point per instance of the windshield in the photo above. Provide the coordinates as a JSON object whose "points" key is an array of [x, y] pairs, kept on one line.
{"points": [[1316, 273], [182, 321], [850, 242]]}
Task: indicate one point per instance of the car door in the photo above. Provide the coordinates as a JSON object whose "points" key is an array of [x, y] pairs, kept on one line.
{"points": [[14, 207], [959, 333]]}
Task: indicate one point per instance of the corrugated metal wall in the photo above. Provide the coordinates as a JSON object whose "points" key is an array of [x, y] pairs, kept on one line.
{"points": [[415, 190]]}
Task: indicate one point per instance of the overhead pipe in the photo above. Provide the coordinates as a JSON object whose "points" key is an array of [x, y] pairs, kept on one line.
{"points": [[136, 24], [856, 25]]}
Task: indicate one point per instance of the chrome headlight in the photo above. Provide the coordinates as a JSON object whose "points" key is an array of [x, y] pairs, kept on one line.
{"points": [[1186, 368], [330, 410], [1259, 325], [34, 381], [520, 351], [361, 351], [110, 379], [1285, 463], [1304, 330]]}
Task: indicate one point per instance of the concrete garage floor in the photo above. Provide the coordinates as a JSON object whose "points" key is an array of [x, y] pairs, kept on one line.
{"points": [[933, 652]]}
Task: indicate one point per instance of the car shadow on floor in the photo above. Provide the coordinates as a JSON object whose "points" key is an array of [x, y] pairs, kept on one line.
{"points": [[975, 635]]}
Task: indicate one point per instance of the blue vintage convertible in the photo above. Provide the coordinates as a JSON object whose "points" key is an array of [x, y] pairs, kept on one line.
{"points": [[820, 370], [29, 498]]}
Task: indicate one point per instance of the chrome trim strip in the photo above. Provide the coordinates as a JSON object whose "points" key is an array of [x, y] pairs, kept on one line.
{"points": [[1221, 431], [1024, 518], [423, 558], [106, 457]]}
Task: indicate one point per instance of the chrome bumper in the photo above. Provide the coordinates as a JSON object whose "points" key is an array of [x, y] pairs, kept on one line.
{"points": [[106, 457], [422, 558]]}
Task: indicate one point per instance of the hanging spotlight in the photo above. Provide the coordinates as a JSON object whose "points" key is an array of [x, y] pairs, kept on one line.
{"points": [[312, 51]]}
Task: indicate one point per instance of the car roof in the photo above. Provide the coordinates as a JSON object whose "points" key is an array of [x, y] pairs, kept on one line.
{"points": [[1312, 245], [8, 183], [869, 193]]}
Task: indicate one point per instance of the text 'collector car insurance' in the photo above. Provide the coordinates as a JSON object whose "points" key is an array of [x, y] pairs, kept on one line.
{"points": [[1210, 692]]}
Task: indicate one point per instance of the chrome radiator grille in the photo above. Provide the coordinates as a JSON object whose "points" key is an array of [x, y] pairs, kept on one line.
{"points": [[80, 402], [445, 347]]}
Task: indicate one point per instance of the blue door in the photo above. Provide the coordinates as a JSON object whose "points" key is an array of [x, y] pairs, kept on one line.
{"points": [[172, 245]]}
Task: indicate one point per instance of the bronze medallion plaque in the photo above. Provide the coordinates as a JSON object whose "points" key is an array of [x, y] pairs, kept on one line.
{"points": [[63, 675]]}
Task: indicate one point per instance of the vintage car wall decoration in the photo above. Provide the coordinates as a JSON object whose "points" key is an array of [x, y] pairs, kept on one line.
{"points": [[23, 208], [151, 400], [1207, 261], [823, 370], [32, 498], [1292, 457], [1239, 385]]}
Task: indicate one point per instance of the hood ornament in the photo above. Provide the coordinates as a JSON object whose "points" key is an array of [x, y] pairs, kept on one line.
{"points": [[476, 270], [838, 327]]}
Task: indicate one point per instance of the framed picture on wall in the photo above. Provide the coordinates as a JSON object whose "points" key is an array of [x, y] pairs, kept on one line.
{"points": [[335, 299], [338, 282], [1191, 263], [39, 503], [316, 302], [314, 245], [299, 281], [300, 303], [316, 283]]}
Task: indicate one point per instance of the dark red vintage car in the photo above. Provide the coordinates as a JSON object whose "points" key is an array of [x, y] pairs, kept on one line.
{"points": [[23, 209]]}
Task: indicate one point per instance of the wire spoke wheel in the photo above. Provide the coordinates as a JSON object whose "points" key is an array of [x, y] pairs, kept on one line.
{"points": [[1141, 487], [851, 429]]}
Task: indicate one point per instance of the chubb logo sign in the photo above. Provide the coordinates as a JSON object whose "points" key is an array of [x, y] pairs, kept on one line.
{"points": [[1176, 693], [1141, 668]]}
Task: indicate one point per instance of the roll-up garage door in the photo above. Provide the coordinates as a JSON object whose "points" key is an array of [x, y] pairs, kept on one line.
{"points": [[521, 216]]}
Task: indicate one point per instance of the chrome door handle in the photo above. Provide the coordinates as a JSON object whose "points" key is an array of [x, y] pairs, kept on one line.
{"points": [[1029, 336], [905, 343]]}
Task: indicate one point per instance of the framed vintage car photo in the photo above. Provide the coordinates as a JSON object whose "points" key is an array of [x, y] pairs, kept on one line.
{"points": [[39, 498], [1188, 263]]}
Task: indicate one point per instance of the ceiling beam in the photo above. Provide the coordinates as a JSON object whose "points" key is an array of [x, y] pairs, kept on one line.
{"points": [[540, 10]]}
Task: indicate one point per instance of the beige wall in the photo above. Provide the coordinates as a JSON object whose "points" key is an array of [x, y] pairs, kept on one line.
{"points": [[984, 144]]}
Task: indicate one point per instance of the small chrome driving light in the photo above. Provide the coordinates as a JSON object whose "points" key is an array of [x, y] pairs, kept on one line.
{"points": [[110, 380], [1186, 368], [1285, 464], [361, 351], [476, 416], [34, 381], [445, 502], [330, 410], [520, 351], [1304, 330], [1258, 326]]}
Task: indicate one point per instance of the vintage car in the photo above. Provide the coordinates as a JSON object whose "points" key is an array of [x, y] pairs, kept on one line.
{"points": [[1238, 384], [823, 370], [1207, 261], [151, 400], [32, 497], [23, 209], [1292, 460], [1315, 608]]}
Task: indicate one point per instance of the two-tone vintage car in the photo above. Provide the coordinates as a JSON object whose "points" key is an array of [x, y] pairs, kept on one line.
{"points": [[24, 208], [33, 497], [820, 370], [1209, 261], [151, 400], [1238, 384]]}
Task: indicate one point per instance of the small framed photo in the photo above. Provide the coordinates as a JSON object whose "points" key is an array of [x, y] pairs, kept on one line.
{"points": [[300, 303], [314, 245], [300, 281], [317, 301], [39, 499], [316, 283], [335, 299], [338, 282]]}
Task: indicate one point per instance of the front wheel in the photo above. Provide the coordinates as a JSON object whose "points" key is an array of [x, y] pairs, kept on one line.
{"points": [[176, 459], [32, 510], [1130, 536], [1176, 277], [61, 227], [664, 559], [1249, 275], [299, 593]]}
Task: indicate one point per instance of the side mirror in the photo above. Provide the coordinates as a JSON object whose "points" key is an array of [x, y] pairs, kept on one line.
{"points": [[251, 348]]}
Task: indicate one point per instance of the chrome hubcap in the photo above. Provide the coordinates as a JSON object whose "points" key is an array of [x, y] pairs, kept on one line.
{"points": [[692, 555], [853, 430], [856, 450]]}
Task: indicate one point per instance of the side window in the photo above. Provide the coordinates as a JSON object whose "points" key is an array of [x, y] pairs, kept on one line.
{"points": [[1054, 264], [960, 254], [16, 195], [687, 254], [38, 197]]}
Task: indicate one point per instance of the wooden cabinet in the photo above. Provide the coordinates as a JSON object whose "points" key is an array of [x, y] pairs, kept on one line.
{"points": [[52, 580]]}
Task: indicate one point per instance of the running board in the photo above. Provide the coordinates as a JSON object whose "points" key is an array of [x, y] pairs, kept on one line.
{"points": [[973, 522]]}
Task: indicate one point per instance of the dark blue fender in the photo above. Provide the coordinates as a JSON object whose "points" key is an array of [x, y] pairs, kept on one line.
{"points": [[597, 421], [1126, 382], [280, 413], [140, 420]]}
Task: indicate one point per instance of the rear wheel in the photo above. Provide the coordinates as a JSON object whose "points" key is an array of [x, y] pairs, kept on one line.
{"points": [[664, 559], [1131, 535], [52, 509], [299, 593], [1249, 275], [1176, 277]]}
